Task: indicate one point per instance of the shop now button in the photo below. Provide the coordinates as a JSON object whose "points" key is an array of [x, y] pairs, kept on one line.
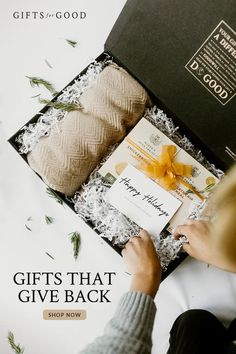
{"points": [[64, 315]]}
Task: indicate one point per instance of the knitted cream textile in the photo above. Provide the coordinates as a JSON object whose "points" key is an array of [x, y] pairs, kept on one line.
{"points": [[66, 157]]}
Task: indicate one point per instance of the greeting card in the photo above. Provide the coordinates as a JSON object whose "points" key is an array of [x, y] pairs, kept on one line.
{"points": [[147, 145], [142, 200]]}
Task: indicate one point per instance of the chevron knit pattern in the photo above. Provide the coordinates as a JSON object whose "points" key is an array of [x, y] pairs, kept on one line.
{"points": [[65, 158]]}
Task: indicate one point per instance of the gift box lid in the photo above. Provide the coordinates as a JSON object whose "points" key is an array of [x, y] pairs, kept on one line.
{"points": [[184, 52]]}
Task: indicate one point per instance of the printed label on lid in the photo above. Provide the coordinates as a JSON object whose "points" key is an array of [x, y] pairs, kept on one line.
{"points": [[214, 63]]}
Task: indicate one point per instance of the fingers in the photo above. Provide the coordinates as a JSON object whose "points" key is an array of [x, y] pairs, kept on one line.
{"points": [[144, 235], [129, 244], [123, 251], [187, 248], [135, 240], [183, 230], [189, 222]]}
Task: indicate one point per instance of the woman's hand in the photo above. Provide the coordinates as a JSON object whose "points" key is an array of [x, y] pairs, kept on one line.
{"points": [[198, 235], [143, 263], [204, 243]]}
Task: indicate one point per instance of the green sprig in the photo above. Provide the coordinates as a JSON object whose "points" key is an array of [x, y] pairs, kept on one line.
{"points": [[48, 64], [71, 43], [35, 96], [76, 241], [49, 220], [29, 219], [49, 255], [15, 347], [37, 81], [68, 107], [50, 192], [28, 228]]}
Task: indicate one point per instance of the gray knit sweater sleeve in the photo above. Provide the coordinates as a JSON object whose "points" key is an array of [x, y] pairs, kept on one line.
{"points": [[130, 330]]}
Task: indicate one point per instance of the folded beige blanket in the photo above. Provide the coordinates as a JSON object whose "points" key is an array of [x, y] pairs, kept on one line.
{"points": [[66, 157]]}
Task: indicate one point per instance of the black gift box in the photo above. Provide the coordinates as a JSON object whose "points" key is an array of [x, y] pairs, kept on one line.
{"points": [[170, 46], [184, 52]]}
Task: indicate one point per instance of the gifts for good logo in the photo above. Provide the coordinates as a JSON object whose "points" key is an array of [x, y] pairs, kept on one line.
{"points": [[42, 15]]}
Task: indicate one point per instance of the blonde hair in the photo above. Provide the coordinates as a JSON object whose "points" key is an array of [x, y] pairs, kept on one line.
{"points": [[222, 206]]}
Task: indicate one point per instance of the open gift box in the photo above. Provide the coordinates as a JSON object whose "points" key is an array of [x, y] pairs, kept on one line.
{"points": [[184, 55]]}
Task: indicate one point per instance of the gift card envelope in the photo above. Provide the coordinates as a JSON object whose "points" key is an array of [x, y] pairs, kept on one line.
{"points": [[142, 200]]}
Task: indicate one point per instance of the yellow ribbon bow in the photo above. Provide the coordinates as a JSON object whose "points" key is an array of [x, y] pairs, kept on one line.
{"points": [[167, 171]]}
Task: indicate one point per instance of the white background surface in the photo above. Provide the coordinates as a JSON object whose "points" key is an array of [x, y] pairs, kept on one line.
{"points": [[24, 46]]}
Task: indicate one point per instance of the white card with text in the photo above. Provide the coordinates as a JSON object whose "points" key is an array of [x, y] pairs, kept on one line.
{"points": [[142, 200]]}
